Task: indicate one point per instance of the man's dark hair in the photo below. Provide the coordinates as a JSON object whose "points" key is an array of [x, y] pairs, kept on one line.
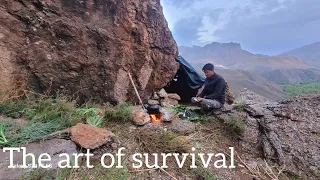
{"points": [[208, 66]]}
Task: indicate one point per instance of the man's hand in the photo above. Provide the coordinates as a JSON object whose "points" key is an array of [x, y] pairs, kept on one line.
{"points": [[199, 99]]}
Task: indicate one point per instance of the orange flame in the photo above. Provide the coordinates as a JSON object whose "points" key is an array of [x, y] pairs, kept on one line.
{"points": [[155, 118]]}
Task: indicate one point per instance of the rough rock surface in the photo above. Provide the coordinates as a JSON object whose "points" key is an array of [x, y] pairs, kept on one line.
{"points": [[167, 114], [286, 132], [155, 96], [139, 116], [162, 93], [91, 137], [86, 48], [167, 102], [153, 102], [53, 147], [174, 96]]}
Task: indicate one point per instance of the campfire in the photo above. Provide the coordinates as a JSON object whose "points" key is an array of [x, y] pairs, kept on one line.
{"points": [[155, 114], [155, 118]]}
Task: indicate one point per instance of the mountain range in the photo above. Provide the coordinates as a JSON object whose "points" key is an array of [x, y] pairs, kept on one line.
{"points": [[309, 53], [258, 72]]}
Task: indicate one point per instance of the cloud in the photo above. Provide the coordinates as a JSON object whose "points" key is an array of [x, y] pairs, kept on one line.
{"points": [[261, 26], [186, 30], [181, 3], [286, 28]]}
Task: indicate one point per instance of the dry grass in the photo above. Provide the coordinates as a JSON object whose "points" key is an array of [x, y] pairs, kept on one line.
{"points": [[14, 92], [160, 141], [264, 171]]}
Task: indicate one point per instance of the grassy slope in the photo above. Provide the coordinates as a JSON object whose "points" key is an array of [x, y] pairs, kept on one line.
{"points": [[301, 88]]}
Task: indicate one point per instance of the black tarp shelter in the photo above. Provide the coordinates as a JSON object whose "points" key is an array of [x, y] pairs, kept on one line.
{"points": [[186, 82]]}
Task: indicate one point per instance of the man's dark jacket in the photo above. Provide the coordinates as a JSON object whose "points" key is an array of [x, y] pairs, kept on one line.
{"points": [[214, 88]]}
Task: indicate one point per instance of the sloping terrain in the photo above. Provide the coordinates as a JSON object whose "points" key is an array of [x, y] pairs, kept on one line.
{"points": [[239, 79], [292, 75], [233, 56], [309, 53]]}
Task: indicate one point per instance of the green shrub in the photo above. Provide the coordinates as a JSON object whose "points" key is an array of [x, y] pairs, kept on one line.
{"points": [[239, 103], [88, 112], [239, 107], [120, 113], [95, 120], [21, 134], [237, 126], [3, 139], [14, 109], [199, 118], [301, 88], [45, 115], [92, 116], [203, 174], [53, 110], [178, 109]]}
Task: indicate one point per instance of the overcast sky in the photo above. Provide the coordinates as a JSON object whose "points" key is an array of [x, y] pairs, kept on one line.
{"points": [[261, 26]]}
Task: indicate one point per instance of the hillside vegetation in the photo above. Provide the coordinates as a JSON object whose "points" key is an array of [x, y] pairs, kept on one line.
{"points": [[301, 88]]}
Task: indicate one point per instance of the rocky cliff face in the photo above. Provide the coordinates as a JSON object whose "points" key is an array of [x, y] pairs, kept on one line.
{"points": [[85, 48], [286, 132]]}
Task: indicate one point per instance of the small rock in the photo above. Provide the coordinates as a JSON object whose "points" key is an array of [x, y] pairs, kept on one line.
{"points": [[167, 115], [114, 146], [91, 137], [162, 93], [167, 102], [153, 102], [155, 96], [174, 96], [140, 117]]}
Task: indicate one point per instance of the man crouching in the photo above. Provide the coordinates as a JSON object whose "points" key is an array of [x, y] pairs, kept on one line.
{"points": [[213, 93]]}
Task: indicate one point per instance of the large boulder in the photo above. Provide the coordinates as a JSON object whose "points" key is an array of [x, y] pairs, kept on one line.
{"points": [[86, 48]]}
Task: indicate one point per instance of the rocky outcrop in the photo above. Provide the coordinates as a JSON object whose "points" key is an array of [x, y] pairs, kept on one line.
{"points": [[286, 132], [86, 48]]}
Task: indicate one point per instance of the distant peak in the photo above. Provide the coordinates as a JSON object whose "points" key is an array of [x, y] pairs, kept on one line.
{"points": [[215, 44], [229, 45], [225, 44]]}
